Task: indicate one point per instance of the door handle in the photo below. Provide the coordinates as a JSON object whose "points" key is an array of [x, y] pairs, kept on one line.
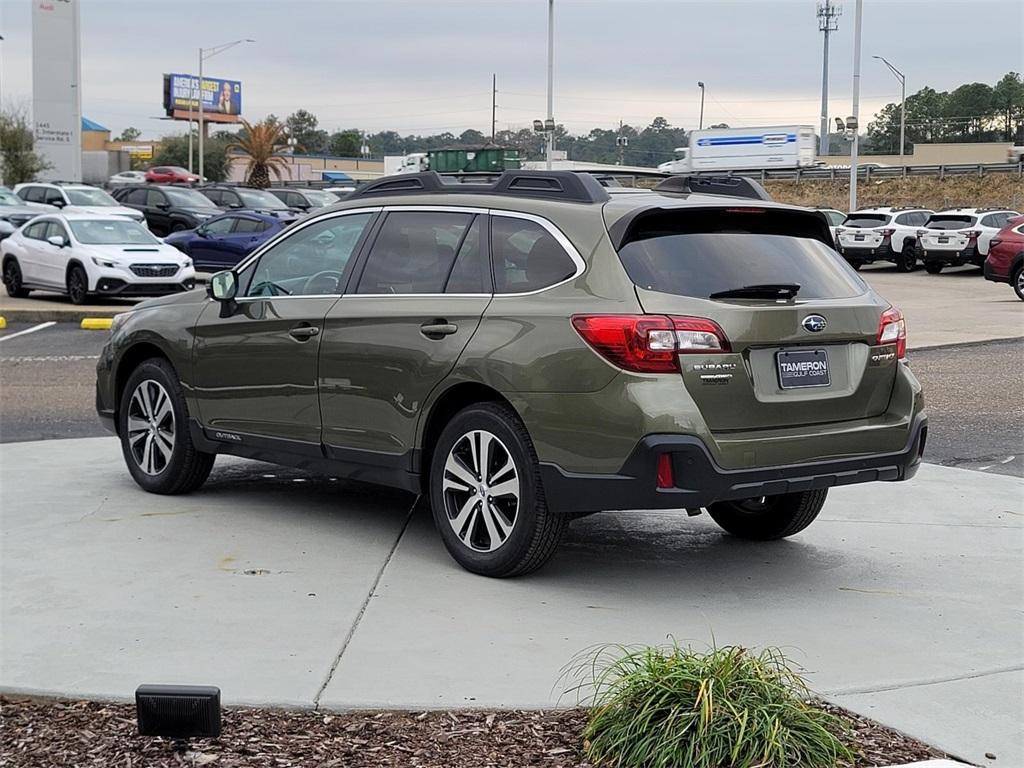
{"points": [[303, 332], [438, 329]]}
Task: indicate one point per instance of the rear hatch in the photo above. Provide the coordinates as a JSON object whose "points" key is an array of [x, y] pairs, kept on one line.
{"points": [[801, 339], [940, 232], [863, 230]]}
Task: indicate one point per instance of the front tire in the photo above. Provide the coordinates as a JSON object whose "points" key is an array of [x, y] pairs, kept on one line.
{"points": [[770, 517], [486, 494], [153, 424], [178, 227], [1017, 281], [12, 280], [77, 285]]}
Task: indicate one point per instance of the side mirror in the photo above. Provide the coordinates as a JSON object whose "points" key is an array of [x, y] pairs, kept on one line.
{"points": [[163, 206], [57, 240], [234, 205], [57, 203], [223, 286], [201, 232]]}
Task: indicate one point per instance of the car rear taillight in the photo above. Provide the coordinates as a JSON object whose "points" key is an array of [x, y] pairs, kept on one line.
{"points": [[922, 232], [994, 242], [839, 231], [649, 343], [892, 329], [887, 232], [972, 234]]}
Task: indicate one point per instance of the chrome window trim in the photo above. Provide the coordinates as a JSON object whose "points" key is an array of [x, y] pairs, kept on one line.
{"points": [[284, 235]]}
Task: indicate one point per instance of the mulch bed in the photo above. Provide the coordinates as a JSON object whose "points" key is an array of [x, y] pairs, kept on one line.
{"points": [[48, 733]]}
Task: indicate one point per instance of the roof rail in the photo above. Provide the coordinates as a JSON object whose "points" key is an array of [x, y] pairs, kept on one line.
{"points": [[547, 185], [730, 186]]}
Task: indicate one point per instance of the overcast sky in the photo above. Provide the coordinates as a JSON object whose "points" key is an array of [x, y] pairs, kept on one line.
{"points": [[425, 66]]}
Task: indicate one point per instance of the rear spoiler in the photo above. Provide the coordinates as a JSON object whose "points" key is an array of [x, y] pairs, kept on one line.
{"points": [[731, 186]]}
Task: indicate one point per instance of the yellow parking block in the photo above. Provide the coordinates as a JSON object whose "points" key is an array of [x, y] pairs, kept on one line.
{"points": [[3, 322], [96, 324]]}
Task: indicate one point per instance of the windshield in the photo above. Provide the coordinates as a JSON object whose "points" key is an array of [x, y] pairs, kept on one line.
{"points": [[835, 218], [108, 232], [9, 198], [949, 222], [188, 198], [254, 198], [866, 220], [89, 197], [321, 199]]}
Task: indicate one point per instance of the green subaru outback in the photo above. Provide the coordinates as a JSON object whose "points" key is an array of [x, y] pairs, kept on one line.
{"points": [[528, 350]]}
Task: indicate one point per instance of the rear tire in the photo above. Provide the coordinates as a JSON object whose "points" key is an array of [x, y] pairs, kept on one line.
{"points": [[486, 494], [77, 285], [771, 517], [906, 260], [153, 424], [933, 267], [1017, 281], [12, 280]]}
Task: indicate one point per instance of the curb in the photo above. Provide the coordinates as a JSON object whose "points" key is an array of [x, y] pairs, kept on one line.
{"points": [[44, 315]]}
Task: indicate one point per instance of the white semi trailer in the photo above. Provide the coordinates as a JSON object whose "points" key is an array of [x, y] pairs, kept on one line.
{"points": [[745, 149]]}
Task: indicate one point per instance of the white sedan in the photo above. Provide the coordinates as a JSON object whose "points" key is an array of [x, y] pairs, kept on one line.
{"points": [[81, 254], [127, 177]]}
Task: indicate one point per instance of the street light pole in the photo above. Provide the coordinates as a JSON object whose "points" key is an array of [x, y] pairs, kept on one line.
{"points": [[206, 53], [903, 103], [858, 15], [700, 124], [551, 79]]}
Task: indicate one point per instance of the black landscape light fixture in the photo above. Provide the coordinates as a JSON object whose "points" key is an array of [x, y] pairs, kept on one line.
{"points": [[178, 711]]}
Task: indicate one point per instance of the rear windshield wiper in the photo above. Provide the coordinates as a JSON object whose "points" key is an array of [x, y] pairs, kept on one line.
{"points": [[760, 291]]}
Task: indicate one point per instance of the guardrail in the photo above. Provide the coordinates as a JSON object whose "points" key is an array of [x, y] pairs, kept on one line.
{"points": [[868, 171]]}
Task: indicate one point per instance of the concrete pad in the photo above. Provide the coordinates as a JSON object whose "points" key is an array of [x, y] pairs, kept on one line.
{"points": [[993, 704], [895, 585], [957, 306], [252, 584], [904, 600]]}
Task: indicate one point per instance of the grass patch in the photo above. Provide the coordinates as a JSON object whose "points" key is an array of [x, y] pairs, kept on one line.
{"points": [[673, 707]]}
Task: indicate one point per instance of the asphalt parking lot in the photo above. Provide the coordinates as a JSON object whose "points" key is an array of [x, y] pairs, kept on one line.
{"points": [[975, 394]]}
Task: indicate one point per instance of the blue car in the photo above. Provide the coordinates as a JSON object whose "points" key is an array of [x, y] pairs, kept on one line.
{"points": [[223, 241]]}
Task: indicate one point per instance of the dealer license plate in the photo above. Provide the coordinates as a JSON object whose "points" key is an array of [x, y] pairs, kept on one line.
{"points": [[803, 368]]}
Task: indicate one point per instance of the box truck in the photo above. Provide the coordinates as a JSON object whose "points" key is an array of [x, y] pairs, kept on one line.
{"points": [[745, 149]]}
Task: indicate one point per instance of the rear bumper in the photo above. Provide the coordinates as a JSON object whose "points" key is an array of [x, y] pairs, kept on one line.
{"points": [[993, 274], [883, 252], [968, 255], [700, 481]]}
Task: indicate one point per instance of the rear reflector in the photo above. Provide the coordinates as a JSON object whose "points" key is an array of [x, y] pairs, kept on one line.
{"points": [[649, 343], [665, 477], [892, 329]]}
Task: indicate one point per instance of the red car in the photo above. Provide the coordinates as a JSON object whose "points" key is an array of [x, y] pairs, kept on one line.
{"points": [[170, 174], [1005, 262]]}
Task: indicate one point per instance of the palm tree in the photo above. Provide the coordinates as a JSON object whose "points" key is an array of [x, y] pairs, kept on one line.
{"points": [[262, 143]]}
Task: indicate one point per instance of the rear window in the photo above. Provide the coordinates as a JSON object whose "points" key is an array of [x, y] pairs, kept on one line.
{"points": [[949, 222], [866, 220], [713, 252]]}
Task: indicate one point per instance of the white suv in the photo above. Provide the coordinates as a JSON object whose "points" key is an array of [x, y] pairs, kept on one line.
{"points": [[956, 236], [51, 197], [881, 234], [83, 254]]}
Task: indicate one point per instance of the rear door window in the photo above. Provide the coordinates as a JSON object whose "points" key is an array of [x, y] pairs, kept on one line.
{"points": [[947, 221], [135, 197], [866, 220], [414, 252], [526, 256], [706, 252]]}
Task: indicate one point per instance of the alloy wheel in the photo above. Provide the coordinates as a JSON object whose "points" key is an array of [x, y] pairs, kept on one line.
{"points": [[1020, 283], [151, 427], [76, 287], [481, 491]]}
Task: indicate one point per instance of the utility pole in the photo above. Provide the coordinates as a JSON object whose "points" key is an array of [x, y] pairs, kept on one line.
{"points": [[828, 22], [494, 104], [551, 82], [855, 119], [700, 125], [621, 141]]}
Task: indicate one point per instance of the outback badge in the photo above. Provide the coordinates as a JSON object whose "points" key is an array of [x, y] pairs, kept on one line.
{"points": [[814, 323]]}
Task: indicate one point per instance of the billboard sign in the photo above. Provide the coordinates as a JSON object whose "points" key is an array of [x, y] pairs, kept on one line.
{"points": [[138, 151], [56, 92], [222, 99]]}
